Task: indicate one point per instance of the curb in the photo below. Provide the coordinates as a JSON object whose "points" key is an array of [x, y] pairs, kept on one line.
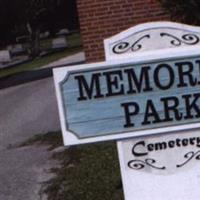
{"points": [[28, 76]]}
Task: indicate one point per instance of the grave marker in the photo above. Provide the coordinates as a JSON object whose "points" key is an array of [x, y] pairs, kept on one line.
{"points": [[17, 49], [5, 56], [59, 43]]}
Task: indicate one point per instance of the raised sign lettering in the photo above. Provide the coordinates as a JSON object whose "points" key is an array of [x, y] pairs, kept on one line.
{"points": [[121, 100]]}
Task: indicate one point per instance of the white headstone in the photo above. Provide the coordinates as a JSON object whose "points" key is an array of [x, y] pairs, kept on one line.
{"points": [[58, 43], [63, 32], [44, 35], [17, 49], [5, 56]]}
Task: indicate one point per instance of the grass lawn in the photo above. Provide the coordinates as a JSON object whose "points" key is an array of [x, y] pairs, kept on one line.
{"points": [[74, 42], [39, 62], [86, 172]]}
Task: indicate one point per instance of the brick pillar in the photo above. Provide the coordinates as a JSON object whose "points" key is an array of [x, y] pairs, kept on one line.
{"points": [[100, 19]]}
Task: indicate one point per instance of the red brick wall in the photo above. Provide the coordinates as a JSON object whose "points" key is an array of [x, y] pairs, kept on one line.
{"points": [[100, 19]]}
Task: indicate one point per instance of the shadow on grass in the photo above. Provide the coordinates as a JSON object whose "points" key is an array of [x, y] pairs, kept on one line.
{"points": [[51, 139], [86, 172]]}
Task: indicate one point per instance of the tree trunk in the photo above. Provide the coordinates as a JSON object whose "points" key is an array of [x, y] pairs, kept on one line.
{"points": [[34, 49], [35, 43]]}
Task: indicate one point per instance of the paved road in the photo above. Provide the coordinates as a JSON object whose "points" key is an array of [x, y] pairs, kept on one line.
{"points": [[25, 110]]}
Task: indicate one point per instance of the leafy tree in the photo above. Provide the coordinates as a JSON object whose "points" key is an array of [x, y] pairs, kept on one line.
{"points": [[36, 18], [186, 11], [8, 20], [31, 17]]}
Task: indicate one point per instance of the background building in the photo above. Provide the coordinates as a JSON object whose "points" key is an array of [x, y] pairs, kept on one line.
{"points": [[100, 19]]}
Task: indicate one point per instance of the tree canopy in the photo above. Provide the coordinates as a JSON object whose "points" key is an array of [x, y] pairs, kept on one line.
{"points": [[186, 11], [19, 17]]}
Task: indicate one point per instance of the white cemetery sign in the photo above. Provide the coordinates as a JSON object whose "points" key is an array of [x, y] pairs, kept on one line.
{"points": [[149, 93], [162, 166], [113, 100], [148, 85]]}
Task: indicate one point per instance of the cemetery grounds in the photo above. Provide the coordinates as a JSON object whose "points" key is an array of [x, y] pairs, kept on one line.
{"points": [[75, 46], [85, 172]]}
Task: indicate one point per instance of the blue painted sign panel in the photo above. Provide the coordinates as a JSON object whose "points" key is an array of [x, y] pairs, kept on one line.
{"points": [[121, 98]]}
